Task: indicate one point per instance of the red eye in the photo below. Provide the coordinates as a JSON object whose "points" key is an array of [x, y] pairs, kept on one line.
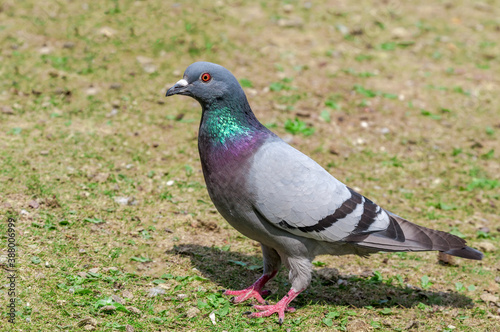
{"points": [[206, 77]]}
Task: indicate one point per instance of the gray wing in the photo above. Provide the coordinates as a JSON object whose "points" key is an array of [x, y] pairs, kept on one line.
{"points": [[296, 194]]}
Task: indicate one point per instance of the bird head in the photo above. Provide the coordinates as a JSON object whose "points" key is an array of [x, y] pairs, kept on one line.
{"points": [[207, 82]]}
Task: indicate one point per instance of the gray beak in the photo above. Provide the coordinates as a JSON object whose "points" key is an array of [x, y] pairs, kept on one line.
{"points": [[179, 88]]}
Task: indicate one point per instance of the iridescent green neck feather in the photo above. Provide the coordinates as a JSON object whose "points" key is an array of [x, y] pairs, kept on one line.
{"points": [[223, 125], [228, 137]]}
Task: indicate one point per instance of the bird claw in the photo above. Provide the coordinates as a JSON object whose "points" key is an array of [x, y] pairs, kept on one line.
{"points": [[268, 307], [280, 308], [245, 294], [268, 310]]}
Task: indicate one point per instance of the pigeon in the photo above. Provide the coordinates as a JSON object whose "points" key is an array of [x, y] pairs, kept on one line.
{"points": [[278, 196]]}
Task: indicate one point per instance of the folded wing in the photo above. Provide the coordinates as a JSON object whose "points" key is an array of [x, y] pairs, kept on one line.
{"points": [[296, 194]]}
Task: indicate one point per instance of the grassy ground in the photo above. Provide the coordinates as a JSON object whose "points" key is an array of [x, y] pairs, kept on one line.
{"points": [[398, 100]]}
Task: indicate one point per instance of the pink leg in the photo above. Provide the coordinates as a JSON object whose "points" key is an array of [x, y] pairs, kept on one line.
{"points": [[280, 307], [254, 291]]}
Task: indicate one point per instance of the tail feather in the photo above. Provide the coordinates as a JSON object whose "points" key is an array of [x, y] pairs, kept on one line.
{"points": [[402, 235], [467, 252]]}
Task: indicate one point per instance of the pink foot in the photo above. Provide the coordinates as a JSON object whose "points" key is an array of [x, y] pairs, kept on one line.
{"points": [[247, 293], [279, 308], [255, 291]]}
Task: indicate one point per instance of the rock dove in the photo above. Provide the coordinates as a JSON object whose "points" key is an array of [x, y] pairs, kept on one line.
{"points": [[278, 196]]}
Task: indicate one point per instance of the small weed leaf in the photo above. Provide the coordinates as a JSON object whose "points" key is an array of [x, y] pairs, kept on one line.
{"points": [[157, 320], [456, 151], [158, 281], [246, 83], [325, 115], [103, 302], [94, 220], [115, 253], [482, 183], [363, 57], [145, 235], [224, 310], [141, 259], [215, 301], [424, 282], [386, 311], [377, 277], [15, 131], [394, 161], [422, 306], [459, 89], [455, 231], [189, 170], [282, 85], [108, 301], [430, 115], [332, 104], [330, 317], [237, 263], [483, 235], [488, 155], [298, 127], [389, 95], [328, 322], [365, 92], [166, 196], [318, 263], [490, 131], [82, 291], [389, 46], [400, 280], [333, 314], [202, 305], [442, 206]]}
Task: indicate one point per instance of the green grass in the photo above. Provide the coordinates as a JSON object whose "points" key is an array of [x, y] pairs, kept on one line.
{"points": [[102, 172]]}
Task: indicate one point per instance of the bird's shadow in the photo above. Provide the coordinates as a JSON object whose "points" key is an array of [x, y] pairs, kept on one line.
{"points": [[233, 270]]}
